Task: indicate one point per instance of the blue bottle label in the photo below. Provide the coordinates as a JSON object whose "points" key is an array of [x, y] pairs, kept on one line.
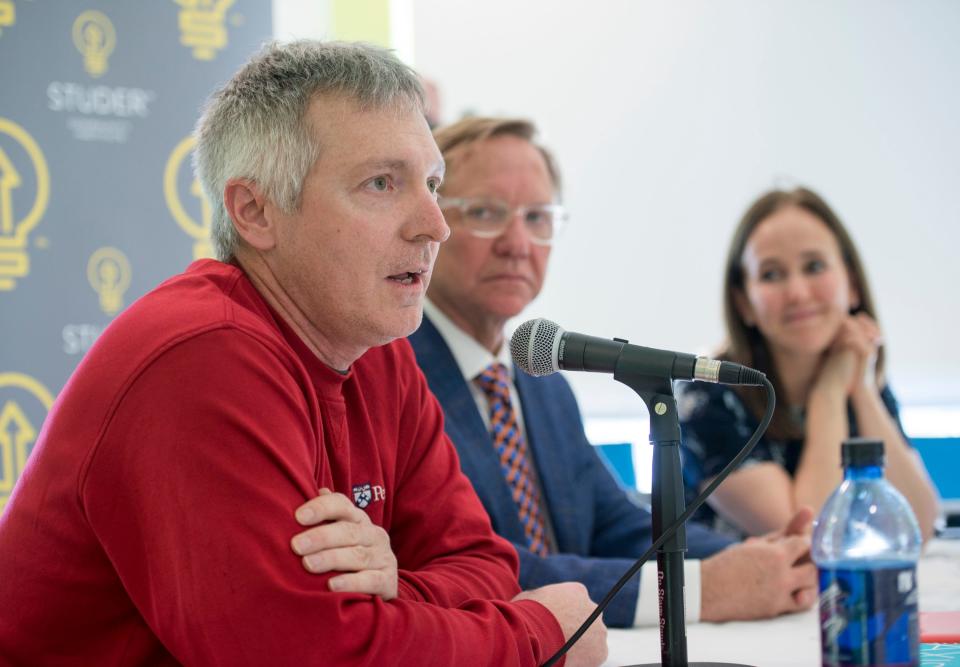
{"points": [[869, 616]]}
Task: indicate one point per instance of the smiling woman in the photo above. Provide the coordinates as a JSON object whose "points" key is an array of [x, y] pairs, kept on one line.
{"points": [[799, 308]]}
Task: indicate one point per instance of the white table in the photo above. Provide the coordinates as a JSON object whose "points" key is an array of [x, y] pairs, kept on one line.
{"points": [[786, 641]]}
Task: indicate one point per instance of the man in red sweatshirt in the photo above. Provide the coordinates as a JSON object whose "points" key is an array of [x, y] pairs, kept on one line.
{"points": [[152, 525]]}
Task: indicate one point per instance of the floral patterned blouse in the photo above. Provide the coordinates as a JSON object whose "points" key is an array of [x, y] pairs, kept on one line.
{"points": [[715, 425]]}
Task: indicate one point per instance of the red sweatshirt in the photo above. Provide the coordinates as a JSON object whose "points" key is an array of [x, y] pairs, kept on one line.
{"points": [[152, 524]]}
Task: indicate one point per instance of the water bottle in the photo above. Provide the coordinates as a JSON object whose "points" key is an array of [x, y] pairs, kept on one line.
{"points": [[866, 545]]}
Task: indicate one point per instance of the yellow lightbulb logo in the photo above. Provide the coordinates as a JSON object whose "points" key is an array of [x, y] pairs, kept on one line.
{"points": [[199, 231], [109, 274], [14, 261], [8, 14], [202, 26], [17, 431], [95, 38]]}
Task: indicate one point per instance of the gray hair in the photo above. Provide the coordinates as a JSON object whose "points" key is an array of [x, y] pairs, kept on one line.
{"points": [[255, 127]]}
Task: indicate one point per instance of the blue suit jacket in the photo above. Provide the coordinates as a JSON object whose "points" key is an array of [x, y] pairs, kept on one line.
{"points": [[599, 531]]}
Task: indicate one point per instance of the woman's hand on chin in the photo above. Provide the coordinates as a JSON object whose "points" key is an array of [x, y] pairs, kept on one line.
{"points": [[851, 361]]}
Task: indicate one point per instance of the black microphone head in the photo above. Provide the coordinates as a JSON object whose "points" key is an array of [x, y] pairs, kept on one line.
{"points": [[534, 347]]}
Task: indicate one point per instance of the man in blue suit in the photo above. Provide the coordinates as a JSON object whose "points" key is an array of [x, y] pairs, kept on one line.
{"points": [[525, 451]]}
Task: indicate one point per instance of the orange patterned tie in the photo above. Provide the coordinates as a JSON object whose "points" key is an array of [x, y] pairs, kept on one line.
{"points": [[512, 449]]}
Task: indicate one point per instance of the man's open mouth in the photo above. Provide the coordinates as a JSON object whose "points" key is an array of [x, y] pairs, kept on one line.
{"points": [[407, 277]]}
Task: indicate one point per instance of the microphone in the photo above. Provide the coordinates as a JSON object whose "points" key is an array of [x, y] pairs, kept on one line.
{"points": [[541, 347]]}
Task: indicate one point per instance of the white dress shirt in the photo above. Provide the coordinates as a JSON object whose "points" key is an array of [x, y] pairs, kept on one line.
{"points": [[473, 358]]}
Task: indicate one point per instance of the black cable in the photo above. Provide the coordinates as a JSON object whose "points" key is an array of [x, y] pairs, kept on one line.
{"points": [[672, 528]]}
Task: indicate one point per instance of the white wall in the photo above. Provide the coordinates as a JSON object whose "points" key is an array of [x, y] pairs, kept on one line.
{"points": [[670, 117]]}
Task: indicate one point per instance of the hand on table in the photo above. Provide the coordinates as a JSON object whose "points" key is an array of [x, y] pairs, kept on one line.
{"points": [[761, 577], [570, 604]]}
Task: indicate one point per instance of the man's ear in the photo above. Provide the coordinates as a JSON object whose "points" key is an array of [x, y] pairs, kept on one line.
{"points": [[247, 207]]}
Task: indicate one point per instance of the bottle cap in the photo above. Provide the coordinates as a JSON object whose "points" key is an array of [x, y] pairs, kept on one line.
{"points": [[859, 452]]}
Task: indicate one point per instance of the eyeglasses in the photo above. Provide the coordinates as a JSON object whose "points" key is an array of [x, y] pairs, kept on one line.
{"points": [[488, 218]]}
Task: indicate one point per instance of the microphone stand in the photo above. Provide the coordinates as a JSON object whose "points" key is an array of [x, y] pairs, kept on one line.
{"points": [[656, 391]]}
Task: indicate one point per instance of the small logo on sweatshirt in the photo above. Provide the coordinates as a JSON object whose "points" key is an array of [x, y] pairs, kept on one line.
{"points": [[364, 494]]}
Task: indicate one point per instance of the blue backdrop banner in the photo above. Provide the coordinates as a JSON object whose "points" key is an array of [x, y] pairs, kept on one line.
{"points": [[98, 202]]}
